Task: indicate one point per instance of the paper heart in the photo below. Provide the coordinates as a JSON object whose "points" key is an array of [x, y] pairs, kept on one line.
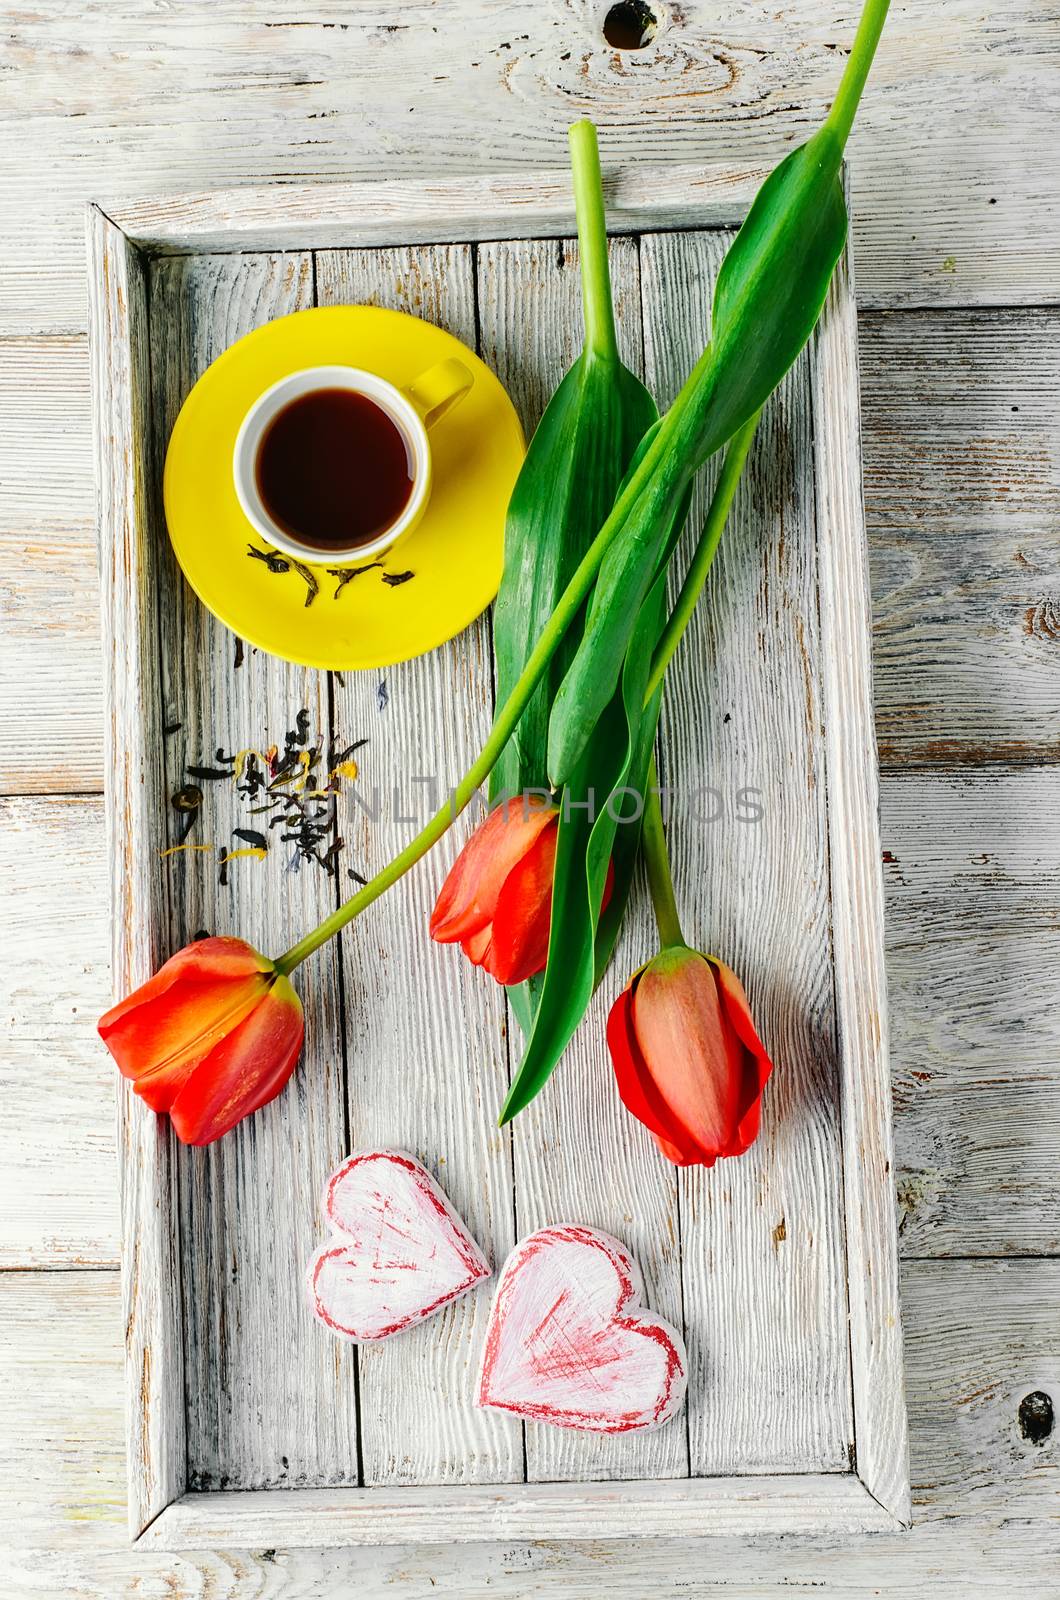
{"points": [[399, 1250], [569, 1343]]}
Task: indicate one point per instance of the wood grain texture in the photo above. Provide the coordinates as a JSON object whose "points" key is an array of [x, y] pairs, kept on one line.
{"points": [[278, 96], [45, 431], [742, 715], [394, 211], [959, 424], [268, 1400], [121, 364], [962, 484], [424, 1039], [971, 863], [980, 1337], [578, 1156], [972, 951], [51, 667], [800, 1503], [857, 905], [59, 1205], [962, 1559]]}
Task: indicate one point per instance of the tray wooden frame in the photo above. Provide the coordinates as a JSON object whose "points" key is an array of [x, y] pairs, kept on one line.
{"points": [[874, 1495]]}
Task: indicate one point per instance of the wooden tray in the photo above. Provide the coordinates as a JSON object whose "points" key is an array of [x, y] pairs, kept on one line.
{"points": [[247, 1424]]}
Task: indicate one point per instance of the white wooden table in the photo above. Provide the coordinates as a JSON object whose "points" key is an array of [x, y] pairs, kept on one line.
{"points": [[956, 190]]}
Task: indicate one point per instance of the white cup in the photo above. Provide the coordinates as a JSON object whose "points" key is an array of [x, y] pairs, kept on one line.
{"points": [[413, 411]]}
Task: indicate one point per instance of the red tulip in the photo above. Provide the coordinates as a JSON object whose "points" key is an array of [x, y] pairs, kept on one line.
{"points": [[497, 900], [214, 1035], [689, 1063]]}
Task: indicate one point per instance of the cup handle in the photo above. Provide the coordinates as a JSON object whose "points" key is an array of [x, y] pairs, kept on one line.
{"points": [[439, 389]]}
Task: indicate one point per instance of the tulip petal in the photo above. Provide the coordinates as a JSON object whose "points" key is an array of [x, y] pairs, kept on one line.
{"points": [[204, 961], [737, 1009], [691, 1051], [159, 1089], [246, 1070], [757, 1065], [159, 1086], [163, 1028], [476, 946], [521, 920], [635, 1087], [469, 894]]}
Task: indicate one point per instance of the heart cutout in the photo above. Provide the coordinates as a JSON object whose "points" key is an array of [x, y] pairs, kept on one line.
{"points": [[569, 1342], [399, 1251]]}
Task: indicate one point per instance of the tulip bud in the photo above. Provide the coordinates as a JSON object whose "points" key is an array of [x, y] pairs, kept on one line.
{"points": [[213, 1036], [687, 1059], [497, 900]]}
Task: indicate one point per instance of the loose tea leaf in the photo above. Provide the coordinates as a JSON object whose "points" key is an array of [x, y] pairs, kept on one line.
{"points": [[346, 575], [251, 836], [287, 783], [280, 564], [309, 579], [208, 774], [274, 562]]}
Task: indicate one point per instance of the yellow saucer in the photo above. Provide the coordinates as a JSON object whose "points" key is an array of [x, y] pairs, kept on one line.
{"points": [[454, 554]]}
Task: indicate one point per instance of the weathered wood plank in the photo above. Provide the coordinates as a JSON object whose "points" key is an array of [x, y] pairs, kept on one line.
{"points": [[854, 848], [57, 1082], [955, 1560], [798, 1503], [972, 952], [238, 100], [980, 1338], [45, 432], [962, 492], [268, 1401], [51, 666], [769, 1385], [621, 1186], [427, 1064], [961, 423], [129, 585], [971, 863]]}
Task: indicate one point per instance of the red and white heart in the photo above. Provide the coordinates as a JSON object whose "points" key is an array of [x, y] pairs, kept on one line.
{"points": [[399, 1251], [569, 1342]]}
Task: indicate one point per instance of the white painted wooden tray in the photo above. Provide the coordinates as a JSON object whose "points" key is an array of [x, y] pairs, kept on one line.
{"points": [[249, 1425]]}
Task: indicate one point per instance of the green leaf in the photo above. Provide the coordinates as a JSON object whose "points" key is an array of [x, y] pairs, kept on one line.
{"points": [[769, 294], [576, 461], [581, 940], [608, 738], [578, 458], [772, 285], [770, 291]]}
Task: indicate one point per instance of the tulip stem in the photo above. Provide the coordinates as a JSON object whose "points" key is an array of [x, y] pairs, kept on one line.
{"points": [[705, 551], [845, 104], [597, 307], [657, 860], [443, 819]]}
